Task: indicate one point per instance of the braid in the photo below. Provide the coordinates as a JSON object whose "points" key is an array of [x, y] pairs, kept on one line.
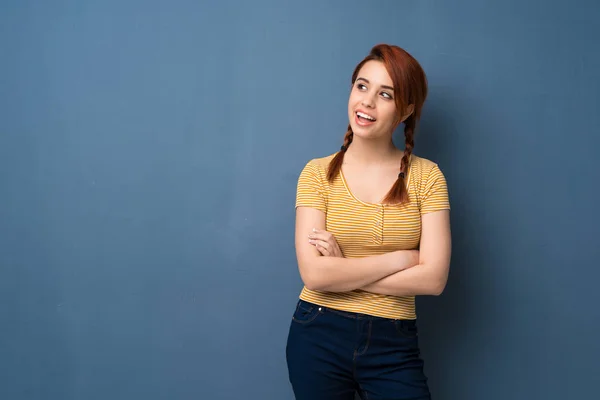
{"points": [[399, 192], [338, 159], [409, 142], [348, 139]]}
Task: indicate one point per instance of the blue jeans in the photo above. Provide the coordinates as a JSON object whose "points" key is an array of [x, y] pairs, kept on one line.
{"points": [[332, 354]]}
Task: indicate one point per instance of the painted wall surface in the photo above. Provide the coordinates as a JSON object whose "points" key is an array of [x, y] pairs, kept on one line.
{"points": [[149, 153]]}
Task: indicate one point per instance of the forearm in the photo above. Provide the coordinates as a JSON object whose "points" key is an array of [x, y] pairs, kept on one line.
{"points": [[339, 274], [419, 280]]}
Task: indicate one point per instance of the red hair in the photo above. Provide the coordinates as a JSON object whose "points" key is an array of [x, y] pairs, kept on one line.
{"points": [[410, 88]]}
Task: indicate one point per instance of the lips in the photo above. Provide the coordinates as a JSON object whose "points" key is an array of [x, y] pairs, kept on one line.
{"points": [[364, 119]]}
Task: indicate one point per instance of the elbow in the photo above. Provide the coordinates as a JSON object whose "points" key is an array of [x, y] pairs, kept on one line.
{"points": [[437, 279], [438, 287], [319, 283], [318, 277], [437, 290], [311, 279], [311, 283]]}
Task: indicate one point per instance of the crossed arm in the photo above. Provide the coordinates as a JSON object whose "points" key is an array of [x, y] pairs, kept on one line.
{"points": [[399, 273]]}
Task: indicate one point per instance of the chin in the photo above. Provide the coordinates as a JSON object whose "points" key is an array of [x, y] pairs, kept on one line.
{"points": [[364, 132]]}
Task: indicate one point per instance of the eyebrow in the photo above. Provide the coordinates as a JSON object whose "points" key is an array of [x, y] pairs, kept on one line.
{"points": [[383, 86]]}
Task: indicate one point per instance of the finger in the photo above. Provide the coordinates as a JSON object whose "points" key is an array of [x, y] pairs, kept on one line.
{"points": [[322, 250], [322, 235], [320, 243], [322, 247]]}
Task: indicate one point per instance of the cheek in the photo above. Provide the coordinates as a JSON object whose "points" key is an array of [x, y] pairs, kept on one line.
{"points": [[390, 113], [352, 103]]}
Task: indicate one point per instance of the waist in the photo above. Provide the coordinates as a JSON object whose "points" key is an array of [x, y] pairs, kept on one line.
{"points": [[361, 303]]}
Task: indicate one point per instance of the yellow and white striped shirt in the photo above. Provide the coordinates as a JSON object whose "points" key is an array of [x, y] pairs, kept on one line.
{"points": [[365, 229]]}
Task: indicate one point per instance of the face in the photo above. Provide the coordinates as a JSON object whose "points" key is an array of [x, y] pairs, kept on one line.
{"points": [[372, 106]]}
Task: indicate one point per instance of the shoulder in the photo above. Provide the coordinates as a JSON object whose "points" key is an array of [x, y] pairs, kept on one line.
{"points": [[423, 167], [422, 163], [318, 166], [322, 162], [313, 187], [429, 185], [425, 173]]}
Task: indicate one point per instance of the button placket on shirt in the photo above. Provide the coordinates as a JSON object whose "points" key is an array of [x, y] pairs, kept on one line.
{"points": [[379, 224]]}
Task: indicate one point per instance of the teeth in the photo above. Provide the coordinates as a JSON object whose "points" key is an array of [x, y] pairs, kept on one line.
{"points": [[360, 114]]}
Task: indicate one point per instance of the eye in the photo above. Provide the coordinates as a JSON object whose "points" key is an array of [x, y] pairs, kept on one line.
{"points": [[386, 95], [360, 86]]}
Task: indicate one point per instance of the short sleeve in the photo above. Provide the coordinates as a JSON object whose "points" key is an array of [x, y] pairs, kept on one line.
{"points": [[434, 193], [310, 191]]}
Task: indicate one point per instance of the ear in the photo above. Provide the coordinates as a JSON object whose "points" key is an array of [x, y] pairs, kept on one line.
{"points": [[409, 110]]}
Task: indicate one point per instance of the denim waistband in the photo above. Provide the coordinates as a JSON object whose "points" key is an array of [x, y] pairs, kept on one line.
{"points": [[355, 315]]}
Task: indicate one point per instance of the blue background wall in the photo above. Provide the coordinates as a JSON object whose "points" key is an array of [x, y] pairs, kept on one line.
{"points": [[149, 153]]}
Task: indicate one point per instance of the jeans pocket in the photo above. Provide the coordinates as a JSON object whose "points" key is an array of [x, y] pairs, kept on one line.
{"points": [[406, 328], [306, 313]]}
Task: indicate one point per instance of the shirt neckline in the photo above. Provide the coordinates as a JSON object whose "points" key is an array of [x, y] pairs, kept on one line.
{"points": [[374, 204]]}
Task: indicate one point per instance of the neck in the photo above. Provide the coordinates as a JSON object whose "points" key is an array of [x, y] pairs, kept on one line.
{"points": [[372, 151]]}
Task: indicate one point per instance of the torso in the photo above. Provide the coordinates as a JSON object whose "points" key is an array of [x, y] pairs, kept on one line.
{"points": [[363, 227]]}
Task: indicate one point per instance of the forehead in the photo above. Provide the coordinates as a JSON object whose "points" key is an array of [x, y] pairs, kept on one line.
{"points": [[375, 73]]}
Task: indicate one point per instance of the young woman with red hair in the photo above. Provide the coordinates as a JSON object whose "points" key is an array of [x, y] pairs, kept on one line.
{"points": [[372, 232]]}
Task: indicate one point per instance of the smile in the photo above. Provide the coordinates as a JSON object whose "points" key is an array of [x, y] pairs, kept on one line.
{"points": [[362, 115], [364, 119]]}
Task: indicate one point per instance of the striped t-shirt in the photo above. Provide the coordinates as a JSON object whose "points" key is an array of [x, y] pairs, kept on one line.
{"points": [[365, 229]]}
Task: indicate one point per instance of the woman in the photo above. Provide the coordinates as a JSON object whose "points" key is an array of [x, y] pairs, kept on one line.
{"points": [[372, 232]]}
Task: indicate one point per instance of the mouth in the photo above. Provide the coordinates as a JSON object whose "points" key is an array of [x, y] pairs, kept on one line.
{"points": [[363, 118]]}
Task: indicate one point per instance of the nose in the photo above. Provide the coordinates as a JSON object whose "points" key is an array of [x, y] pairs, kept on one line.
{"points": [[368, 100]]}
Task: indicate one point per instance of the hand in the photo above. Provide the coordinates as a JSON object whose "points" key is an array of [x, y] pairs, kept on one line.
{"points": [[325, 242]]}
